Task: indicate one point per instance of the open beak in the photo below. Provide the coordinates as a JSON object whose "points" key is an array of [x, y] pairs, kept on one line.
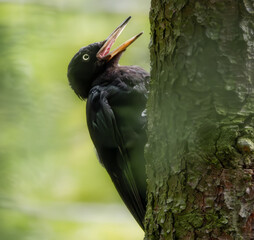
{"points": [[104, 53]]}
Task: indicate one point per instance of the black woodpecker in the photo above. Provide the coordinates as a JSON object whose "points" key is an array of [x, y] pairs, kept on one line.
{"points": [[116, 100]]}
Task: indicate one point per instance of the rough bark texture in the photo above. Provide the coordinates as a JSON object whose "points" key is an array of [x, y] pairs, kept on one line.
{"points": [[200, 153]]}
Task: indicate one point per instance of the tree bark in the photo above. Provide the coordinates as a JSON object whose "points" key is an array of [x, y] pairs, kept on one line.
{"points": [[200, 151]]}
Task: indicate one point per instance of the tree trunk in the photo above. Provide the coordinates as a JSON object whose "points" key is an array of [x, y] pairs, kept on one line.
{"points": [[200, 152]]}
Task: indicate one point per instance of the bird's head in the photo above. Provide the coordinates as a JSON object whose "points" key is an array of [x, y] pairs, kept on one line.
{"points": [[92, 60]]}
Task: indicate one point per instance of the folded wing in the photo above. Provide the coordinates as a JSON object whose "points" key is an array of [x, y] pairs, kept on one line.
{"points": [[117, 128]]}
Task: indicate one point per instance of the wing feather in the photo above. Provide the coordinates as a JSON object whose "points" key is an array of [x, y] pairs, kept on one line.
{"points": [[111, 140]]}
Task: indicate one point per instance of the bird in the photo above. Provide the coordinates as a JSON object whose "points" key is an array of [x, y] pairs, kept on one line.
{"points": [[116, 98]]}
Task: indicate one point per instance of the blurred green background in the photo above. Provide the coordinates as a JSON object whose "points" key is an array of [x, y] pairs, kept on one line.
{"points": [[52, 186]]}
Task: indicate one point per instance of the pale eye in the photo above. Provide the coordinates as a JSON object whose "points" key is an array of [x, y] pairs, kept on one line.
{"points": [[86, 57]]}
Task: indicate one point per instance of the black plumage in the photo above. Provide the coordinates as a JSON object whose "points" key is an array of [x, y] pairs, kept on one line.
{"points": [[116, 100]]}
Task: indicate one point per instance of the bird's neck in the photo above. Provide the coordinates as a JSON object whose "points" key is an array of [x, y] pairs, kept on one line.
{"points": [[106, 77], [114, 62]]}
